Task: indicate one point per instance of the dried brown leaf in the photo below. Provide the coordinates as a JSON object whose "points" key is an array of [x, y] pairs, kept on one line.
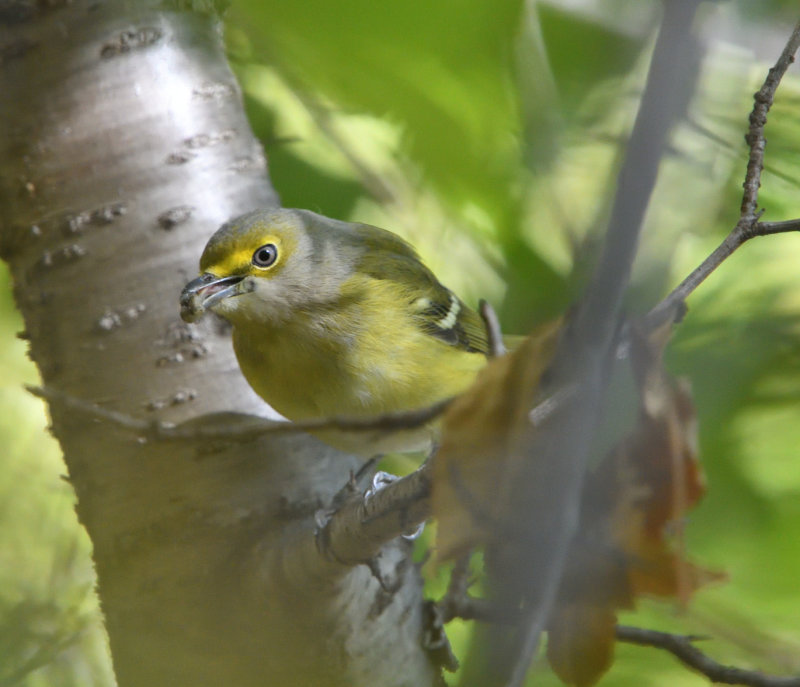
{"points": [[580, 643], [630, 540], [478, 460]]}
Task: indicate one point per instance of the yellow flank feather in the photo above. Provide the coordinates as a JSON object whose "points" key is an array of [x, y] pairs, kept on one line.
{"points": [[358, 360], [336, 319]]}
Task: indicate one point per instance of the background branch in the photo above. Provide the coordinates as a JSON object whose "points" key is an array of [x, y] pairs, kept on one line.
{"points": [[561, 449], [748, 225], [682, 648]]}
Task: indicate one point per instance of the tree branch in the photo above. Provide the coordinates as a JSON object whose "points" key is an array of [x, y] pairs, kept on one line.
{"points": [[215, 426], [768, 228], [452, 603], [357, 530], [758, 119], [561, 450], [682, 648], [360, 524], [748, 225]]}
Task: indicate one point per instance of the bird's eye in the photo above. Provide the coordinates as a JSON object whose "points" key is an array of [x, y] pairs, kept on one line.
{"points": [[266, 255]]}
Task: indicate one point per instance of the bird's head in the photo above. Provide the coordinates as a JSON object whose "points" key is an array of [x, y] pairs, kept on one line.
{"points": [[264, 265]]}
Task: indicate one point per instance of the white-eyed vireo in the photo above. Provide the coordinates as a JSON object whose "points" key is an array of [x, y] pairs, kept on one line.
{"points": [[332, 318]]}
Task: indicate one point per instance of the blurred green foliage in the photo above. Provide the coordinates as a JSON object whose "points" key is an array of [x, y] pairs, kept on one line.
{"points": [[50, 627], [488, 133]]}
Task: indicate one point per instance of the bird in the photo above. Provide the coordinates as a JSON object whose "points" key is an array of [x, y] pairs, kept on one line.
{"points": [[337, 319]]}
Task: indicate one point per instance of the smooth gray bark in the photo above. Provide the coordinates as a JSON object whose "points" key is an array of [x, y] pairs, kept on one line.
{"points": [[123, 146]]}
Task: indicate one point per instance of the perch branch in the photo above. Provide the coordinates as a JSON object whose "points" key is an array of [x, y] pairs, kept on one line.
{"points": [[357, 530]]}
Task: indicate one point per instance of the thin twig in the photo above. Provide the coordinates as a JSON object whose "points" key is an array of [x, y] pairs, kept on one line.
{"points": [[450, 605], [768, 228], [741, 233], [373, 182], [493, 332], [457, 603], [484, 611], [45, 654], [682, 648], [758, 119], [161, 431], [748, 225]]}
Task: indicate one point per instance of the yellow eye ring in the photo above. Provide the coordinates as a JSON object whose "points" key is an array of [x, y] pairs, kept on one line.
{"points": [[265, 256]]}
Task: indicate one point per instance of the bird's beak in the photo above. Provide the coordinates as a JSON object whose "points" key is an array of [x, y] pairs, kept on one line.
{"points": [[206, 291]]}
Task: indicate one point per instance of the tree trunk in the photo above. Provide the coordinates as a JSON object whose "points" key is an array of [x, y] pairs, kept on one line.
{"points": [[124, 146]]}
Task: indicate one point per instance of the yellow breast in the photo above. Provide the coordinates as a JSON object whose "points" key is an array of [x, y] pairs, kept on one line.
{"points": [[362, 356]]}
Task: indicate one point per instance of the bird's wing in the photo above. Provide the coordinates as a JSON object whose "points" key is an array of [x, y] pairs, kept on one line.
{"points": [[443, 314], [437, 310]]}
